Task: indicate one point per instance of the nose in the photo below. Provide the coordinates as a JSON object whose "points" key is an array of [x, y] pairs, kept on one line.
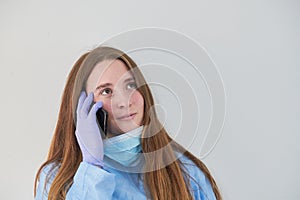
{"points": [[122, 100]]}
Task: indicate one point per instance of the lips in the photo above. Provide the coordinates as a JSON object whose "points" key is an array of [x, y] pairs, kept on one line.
{"points": [[127, 116]]}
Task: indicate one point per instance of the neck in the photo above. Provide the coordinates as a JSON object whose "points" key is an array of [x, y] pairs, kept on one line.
{"points": [[111, 134]]}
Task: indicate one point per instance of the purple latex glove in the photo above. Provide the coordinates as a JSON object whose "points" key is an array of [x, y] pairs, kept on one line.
{"points": [[87, 130]]}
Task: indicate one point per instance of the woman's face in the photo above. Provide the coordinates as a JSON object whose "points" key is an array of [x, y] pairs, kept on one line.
{"points": [[114, 85]]}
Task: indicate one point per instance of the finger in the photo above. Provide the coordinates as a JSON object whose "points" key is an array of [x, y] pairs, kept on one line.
{"points": [[95, 108], [87, 104], [80, 102]]}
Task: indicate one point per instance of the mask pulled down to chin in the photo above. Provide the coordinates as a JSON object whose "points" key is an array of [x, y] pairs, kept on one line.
{"points": [[125, 148]]}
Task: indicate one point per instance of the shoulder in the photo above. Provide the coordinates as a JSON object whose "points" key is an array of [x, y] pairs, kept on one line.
{"points": [[191, 168], [46, 178], [50, 171], [199, 183]]}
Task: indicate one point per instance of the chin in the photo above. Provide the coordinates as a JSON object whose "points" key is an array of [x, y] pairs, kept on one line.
{"points": [[129, 128], [122, 129]]}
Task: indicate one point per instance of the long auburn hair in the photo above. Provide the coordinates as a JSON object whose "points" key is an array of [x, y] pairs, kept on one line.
{"points": [[160, 182]]}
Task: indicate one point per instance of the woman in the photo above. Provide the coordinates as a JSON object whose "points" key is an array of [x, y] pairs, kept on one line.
{"points": [[137, 159]]}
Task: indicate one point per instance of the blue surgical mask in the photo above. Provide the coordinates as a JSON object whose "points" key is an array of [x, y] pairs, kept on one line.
{"points": [[126, 148]]}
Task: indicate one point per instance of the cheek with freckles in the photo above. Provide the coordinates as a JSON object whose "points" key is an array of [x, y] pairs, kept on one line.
{"points": [[107, 105], [137, 98], [138, 102]]}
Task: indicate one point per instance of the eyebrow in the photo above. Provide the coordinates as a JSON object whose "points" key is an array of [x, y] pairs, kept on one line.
{"points": [[103, 85], [129, 79], [109, 84]]}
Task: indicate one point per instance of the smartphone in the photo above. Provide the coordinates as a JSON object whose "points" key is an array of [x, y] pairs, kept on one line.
{"points": [[102, 116]]}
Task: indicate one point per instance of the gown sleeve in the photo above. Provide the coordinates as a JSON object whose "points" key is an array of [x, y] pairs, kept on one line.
{"points": [[90, 182]]}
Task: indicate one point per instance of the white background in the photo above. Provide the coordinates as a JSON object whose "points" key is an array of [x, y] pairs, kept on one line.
{"points": [[255, 45]]}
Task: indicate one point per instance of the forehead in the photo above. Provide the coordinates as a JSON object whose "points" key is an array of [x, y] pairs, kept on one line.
{"points": [[108, 71]]}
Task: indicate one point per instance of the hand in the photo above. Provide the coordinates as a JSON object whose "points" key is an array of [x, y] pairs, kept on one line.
{"points": [[87, 130]]}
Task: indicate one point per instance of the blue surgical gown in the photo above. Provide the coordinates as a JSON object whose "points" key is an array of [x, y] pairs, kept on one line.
{"points": [[94, 183]]}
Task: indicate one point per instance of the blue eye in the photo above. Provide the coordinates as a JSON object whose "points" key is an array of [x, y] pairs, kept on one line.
{"points": [[106, 91], [132, 85]]}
